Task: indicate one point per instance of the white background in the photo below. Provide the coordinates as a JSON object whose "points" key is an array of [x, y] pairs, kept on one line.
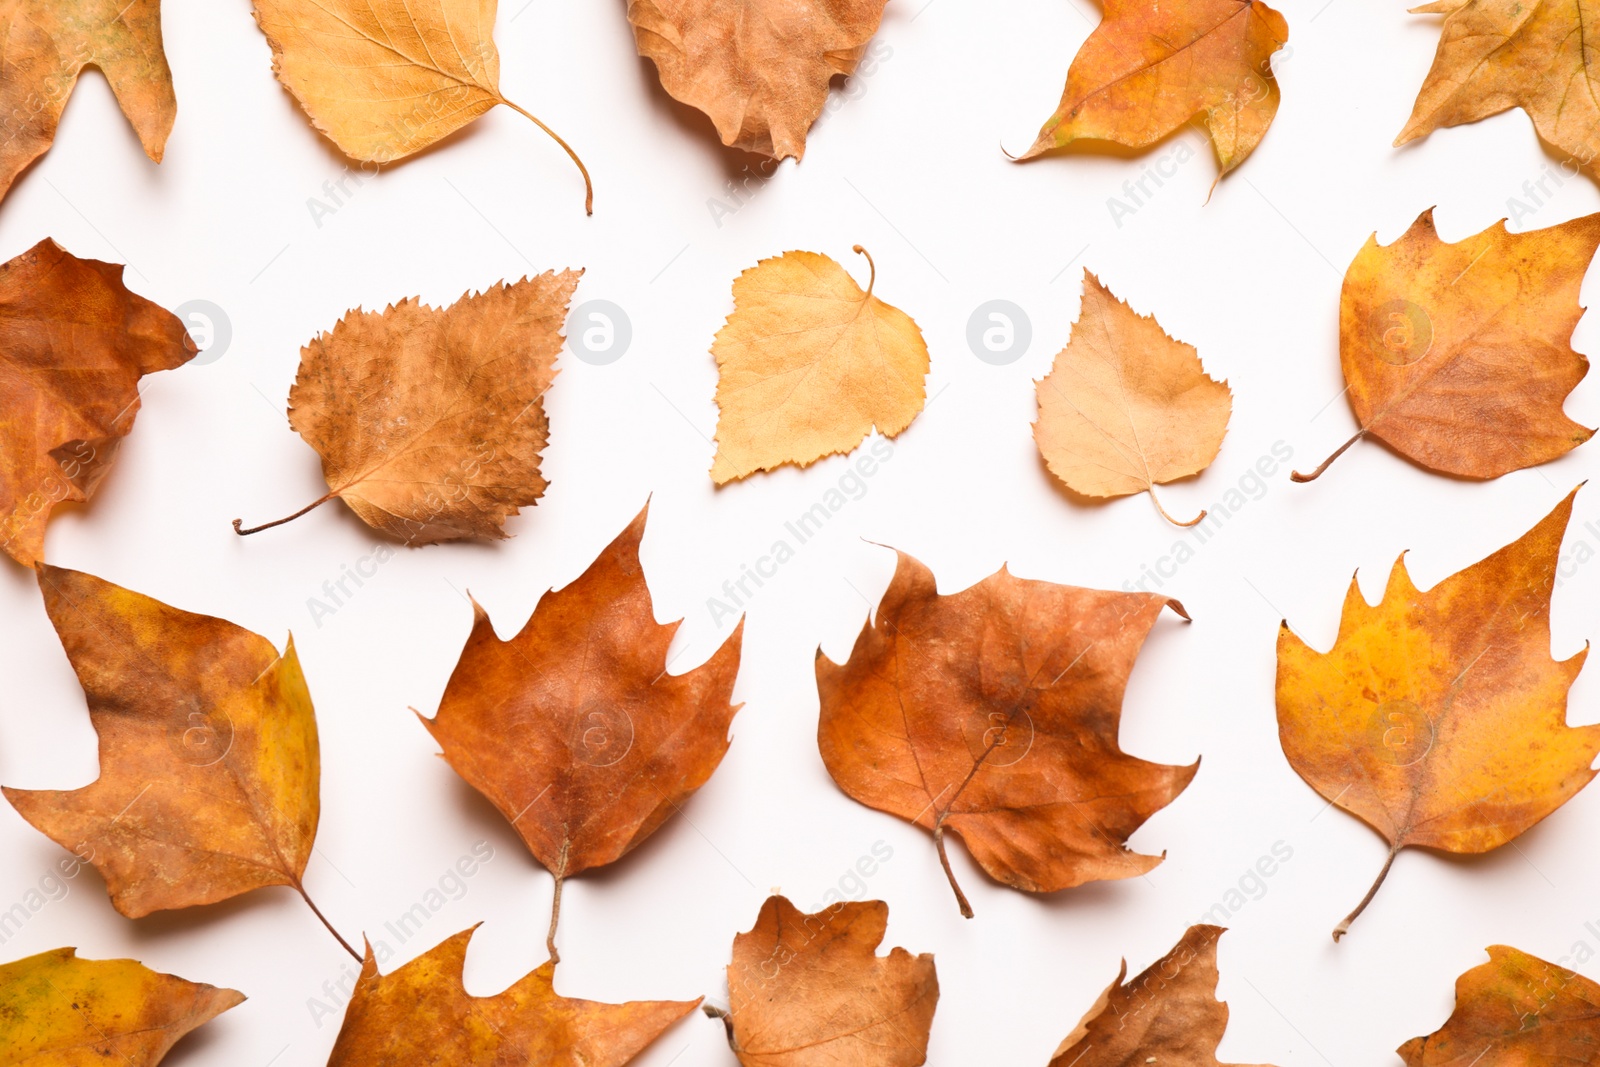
{"points": [[912, 168]]}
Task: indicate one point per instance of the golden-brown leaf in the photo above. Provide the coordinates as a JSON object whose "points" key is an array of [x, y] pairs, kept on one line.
{"points": [[208, 751], [421, 1015], [1149, 67], [430, 421], [1439, 717], [574, 729], [57, 1010], [811, 991], [1169, 1014], [1495, 55], [1514, 1011], [808, 365], [993, 713], [759, 69], [386, 78], [1459, 356], [74, 343], [1125, 407], [47, 45]]}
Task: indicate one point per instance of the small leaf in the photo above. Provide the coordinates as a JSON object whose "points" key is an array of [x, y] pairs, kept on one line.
{"points": [[57, 1010]]}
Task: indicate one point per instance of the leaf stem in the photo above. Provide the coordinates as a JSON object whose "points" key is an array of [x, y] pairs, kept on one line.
{"points": [[239, 523], [555, 904], [1157, 502], [318, 913], [588, 185], [872, 279], [1344, 927], [944, 860], [1296, 476]]}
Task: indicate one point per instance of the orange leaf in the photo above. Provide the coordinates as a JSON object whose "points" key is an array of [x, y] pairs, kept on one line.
{"points": [[759, 69], [810, 990], [430, 421], [993, 713], [76, 344], [1169, 1014], [49, 42], [1404, 722], [574, 729], [1514, 1011], [57, 1010], [1149, 67], [421, 1015], [1459, 356]]}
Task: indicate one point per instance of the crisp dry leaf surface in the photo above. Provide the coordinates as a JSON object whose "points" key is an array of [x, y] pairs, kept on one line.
{"points": [[1439, 718], [47, 45], [808, 365], [57, 1010], [811, 991], [1459, 355], [430, 421], [1169, 1014], [1150, 67], [208, 751], [421, 1015], [1495, 55], [1514, 1011], [759, 69], [74, 343], [1125, 407], [993, 713], [574, 729]]}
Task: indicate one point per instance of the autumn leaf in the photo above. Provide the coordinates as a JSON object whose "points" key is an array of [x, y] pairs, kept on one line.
{"points": [[208, 752], [1438, 718], [1169, 1014], [1125, 407], [76, 343], [811, 991], [1149, 68], [384, 79], [49, 42], [759, 69], [992, 713], [57, 1010], [1495, 55], [574, 729], [808, 365], [1514, 1011], [421, 1014], [1459, 356], [430, 421]]}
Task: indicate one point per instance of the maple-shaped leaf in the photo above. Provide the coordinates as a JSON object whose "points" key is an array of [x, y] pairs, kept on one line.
{"points": [[1169, 1014], [47, 45], [993, 713], [808, 365], [1515, 1011], [1149, 68], [574, 729], [76, 343], [811, 990], [420, 1015], [1439, 718], [1459, 356], [57, 1010], [1125, 407], [1495, 55], [759, 69], [209, 761], [430, 421], [384, 79]]}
